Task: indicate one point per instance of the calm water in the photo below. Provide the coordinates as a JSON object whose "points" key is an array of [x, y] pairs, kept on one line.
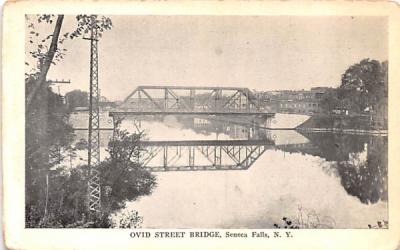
{"points": [[317, 179]]}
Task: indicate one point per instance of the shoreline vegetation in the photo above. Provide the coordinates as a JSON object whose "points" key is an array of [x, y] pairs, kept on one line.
{"points": [[359, 105], [61, 200]]}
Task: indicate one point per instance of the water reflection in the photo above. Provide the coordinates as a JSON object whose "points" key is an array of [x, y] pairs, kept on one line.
{"points": [[361, 161], [236, 145], [250, 128], [219, 127], [198, 155], [289, 172]]}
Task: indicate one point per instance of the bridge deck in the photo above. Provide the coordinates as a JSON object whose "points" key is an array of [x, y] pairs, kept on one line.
{"points": [[245, 113]]}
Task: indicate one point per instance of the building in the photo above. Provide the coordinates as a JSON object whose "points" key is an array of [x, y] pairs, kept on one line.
{"points": [[293, 101]]}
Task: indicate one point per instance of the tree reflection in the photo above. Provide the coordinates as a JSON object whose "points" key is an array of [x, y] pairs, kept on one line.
{"points": [[367, 179], [336, 147], [361, 162]]}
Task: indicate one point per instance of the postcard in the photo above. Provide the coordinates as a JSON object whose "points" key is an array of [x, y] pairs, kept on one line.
{"points": [[201, 125]]}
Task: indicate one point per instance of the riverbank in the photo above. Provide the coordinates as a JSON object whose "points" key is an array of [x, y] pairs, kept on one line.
{"points": [[356, 124], [346, 131]]}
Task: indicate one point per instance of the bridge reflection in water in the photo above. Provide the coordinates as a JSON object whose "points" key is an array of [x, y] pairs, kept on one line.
{"points": [[245, 128], [247, 142], [200, 155]]}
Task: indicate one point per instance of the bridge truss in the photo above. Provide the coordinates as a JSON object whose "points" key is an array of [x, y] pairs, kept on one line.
{"points": [[193, 100], [161, 156]]}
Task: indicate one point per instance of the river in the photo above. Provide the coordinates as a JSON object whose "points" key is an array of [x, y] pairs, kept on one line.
{"points": [[321, 180]]}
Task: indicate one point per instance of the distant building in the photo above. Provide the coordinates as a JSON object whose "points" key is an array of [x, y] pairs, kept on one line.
{"points": [[200, 121], [340, 111], [293, 101], [77, 109]]}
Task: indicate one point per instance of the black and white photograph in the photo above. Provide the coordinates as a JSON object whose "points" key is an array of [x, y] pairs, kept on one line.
{"points": [[206, 122], [196, 125]]}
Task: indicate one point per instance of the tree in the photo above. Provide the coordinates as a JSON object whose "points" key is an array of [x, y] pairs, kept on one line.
{"points": [[364, 86], [122, 180], [46, 116], [330, 101], [123, 176], [47, 136], [129, 219], [76, 98], [46, 56], [47, 131], [38, 80]]}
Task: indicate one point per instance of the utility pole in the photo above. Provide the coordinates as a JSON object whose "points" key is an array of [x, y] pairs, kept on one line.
{"points": [[53, 82], [50, 82], [94, 192]]}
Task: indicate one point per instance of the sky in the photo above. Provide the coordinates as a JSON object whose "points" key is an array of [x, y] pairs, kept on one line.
{"points": [[258, 52]]}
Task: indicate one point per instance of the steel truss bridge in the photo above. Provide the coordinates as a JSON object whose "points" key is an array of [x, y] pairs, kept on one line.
{"points": [[162, 156], [169, 100], [229, 102]]}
